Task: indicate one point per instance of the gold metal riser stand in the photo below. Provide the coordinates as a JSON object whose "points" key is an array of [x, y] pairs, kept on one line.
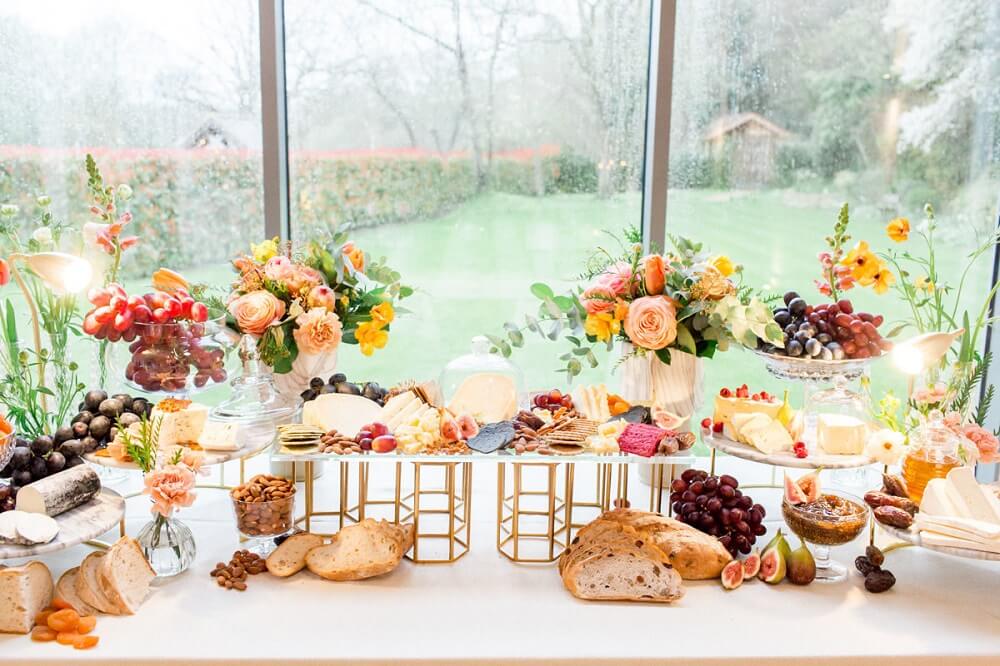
{"points": [[419, 508], [512, 538]]}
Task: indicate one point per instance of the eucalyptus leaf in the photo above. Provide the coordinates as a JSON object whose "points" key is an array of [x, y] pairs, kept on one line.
{"points": [[542, 290], [685, 340]]}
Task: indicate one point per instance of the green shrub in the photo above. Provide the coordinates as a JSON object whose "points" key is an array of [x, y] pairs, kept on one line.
{"points": [[573, 173], [790, 160]]}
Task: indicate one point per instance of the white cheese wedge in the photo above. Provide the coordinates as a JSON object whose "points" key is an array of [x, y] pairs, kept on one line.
{"points": [[396, 404], [937, 500], [841, 434], [962, 528], [409, 413], [592, 402], [181, 427], [975, 501], [343, 412], [936, 539], [727, 408], [742, 422], [487, 396], [772, 438], [220, 436]]}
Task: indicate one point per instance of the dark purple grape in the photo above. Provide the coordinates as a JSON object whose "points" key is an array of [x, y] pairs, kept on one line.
{"points": [[73, 461], [760, 508], [714, 505], [728, 492], [21, 458], [38, 469], [728, 480], [754, 517], [677, 505], [679, 485], [736, 515], [697, 487], [724, 517], [759, 530], [688, 507], [745, 548], [41, 445], [22, 477], [688, 496], [55, 462], [707, 520], [745, 502], [711, 483], [742, 527], [730, 503], [701, 501], [689, 475], [725, 540], [6, 471]]}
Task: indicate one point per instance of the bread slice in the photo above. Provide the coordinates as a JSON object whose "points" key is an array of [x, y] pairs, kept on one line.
{"points": [[125, 575], [89, 588], [66, 590], [24, 592], [694, 554], [590, 537], [290, 557], [627, 569], [359, 551]]}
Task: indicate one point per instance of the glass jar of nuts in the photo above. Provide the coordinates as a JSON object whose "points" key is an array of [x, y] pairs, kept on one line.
{"points": [[264, 508]]}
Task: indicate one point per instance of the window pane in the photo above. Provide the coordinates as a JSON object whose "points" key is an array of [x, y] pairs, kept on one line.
{"points": [[481, 146], [168, 104], [783, 111]]}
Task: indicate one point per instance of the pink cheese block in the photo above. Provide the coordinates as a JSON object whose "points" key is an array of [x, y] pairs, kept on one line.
{"points": [[641, 439]]}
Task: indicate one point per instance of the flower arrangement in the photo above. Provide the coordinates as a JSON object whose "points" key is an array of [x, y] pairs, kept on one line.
{"points": [[860, 266], [686, 300], [106, 205], [311, 302]]}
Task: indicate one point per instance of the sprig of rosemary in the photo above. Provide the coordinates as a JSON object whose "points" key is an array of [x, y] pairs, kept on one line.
{"points": [[142, 447]]}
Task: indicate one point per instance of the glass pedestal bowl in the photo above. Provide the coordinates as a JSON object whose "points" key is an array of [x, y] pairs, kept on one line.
{"points": [[176, 358], [260, 522], [834, 519]]}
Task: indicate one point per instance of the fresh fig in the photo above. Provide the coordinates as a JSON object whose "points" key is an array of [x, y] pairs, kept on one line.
{"points": [[111, 408], [772, 566], [801, 566], [794, 494], [751, 565], [809, 485], [82, 417], [125, 399], [781, 543], [732, 575]]}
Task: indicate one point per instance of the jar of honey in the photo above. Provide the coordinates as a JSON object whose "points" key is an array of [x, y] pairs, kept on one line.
{"points": [[933, 452]]}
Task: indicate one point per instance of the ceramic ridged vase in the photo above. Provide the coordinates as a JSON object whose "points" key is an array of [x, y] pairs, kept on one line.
{"points": [[677, 386], [304, 368]]}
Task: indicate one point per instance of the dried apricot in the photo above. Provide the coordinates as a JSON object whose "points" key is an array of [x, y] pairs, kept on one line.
{"points": [[67, 637], [64, 620], [61, 604], [43, 617], [42, 635], [86, 642], [86, 625]]}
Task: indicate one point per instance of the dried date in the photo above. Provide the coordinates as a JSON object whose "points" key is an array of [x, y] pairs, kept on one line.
{"points": [[876, 499], [893, 516]]}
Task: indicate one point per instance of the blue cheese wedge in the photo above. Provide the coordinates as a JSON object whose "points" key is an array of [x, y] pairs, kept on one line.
{"points": [[219, 436]]}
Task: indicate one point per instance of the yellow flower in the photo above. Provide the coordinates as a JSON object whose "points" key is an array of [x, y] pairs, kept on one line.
{"points": [[882, 279], [602, 326], [370, 337], [264, 250], [898, 229], [924, 284], [621, 310], [382, 314], [863, 263], [724, 265]]}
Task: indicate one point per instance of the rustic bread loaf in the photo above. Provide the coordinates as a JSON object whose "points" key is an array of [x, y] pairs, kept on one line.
{"points": [[88, 585], [66, 590], [24, 592], [369, 548], [694, 554], [290, 557], [125, 575], [626, 568]]}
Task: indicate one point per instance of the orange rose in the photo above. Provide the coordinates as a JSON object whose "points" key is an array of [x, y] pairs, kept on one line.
{"points": [[355, 255], [255, 311], [318, 331], [654, 272], [651, 322]]}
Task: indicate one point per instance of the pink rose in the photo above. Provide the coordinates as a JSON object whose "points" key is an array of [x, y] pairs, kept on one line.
{"points": [[931, 395], [255, 311], [598, 297], [302, 279], [651, 322], [278, 268], [621, 280], [318, 331], [170, 487], [985, 441], [321, 296]]}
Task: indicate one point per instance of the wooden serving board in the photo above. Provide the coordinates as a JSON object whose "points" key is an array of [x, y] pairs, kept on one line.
{"points": [[814, 460], [85, 522]]}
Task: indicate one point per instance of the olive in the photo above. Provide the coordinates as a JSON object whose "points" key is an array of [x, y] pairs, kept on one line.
{"points": [[63, 433], [92, 401], [308, 394], [99, 427], [80, 430], [83, 417], [329, 388], [316, 383], [337, 378], [41, 445], [125, 399], [349, 388], [55, 462], [112, 408], [371, 391]]}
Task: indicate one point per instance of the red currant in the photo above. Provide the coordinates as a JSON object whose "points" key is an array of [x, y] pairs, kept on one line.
{"points": [[726, 393], [717, 426], [706, 423]]}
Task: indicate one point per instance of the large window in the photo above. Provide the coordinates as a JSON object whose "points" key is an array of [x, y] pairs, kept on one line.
{"points": [[782, 111], [480, 145]]}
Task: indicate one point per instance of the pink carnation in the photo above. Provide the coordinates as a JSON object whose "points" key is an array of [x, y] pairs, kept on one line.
{"points": [[170, 487], [931, 395], [985, 441]]}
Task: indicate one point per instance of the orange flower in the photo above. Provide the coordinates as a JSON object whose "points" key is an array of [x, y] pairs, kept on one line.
{"points": [[318, 331], [898, 229], [881, 280], [255, 311], [355, 255], [651, 322], [862, 262], [654, 272], [170, 487], [169, 281]]}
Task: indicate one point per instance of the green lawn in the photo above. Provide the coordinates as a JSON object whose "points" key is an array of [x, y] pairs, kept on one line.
{"points": [[473, 266]]}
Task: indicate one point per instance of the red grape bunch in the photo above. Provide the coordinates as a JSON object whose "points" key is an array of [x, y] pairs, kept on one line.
{"points": [[715, 505], [828, 331]]}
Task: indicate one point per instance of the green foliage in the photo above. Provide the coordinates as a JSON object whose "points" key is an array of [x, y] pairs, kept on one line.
{"points": [[697, 171], [790, 160], [143, 445], [572, 173]]}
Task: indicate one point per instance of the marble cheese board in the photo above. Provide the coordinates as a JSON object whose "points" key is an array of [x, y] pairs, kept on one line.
{"points": [[814, 460], [911, 535], [251, 447], [87, 521]]}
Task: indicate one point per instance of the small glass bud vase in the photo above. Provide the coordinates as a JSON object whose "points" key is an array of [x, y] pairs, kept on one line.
{"points": [[168, 544]]}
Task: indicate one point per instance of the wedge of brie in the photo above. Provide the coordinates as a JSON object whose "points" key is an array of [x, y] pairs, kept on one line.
{"points": [[488, 397], [974, 500], [772, 438], [343, 412]]}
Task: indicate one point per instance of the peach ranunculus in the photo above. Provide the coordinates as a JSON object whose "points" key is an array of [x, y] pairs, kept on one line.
{"points": [[621, 280], [255, 311], [654, 272], [597, 298], [302, 279], [279, 268], [318, 331], [170, 487], [931, 395], [321, 296], [355, 255], [651, 322], [986, 442]]}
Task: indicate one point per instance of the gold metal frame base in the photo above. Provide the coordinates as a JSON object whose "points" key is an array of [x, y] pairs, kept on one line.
{"points": [[512, 538]]}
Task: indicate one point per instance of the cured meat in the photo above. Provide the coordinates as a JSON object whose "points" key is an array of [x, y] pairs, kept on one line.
{"points": [[60, 492]]}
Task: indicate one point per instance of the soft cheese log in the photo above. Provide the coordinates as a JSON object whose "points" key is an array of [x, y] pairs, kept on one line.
{"points": [[60, 492]]}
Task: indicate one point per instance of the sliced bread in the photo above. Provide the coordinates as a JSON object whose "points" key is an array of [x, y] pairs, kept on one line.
{"points": [[628, 568], [66, 590], [359, 551], [24, 592], [89, 588], [125, 575], [290, 557]]}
